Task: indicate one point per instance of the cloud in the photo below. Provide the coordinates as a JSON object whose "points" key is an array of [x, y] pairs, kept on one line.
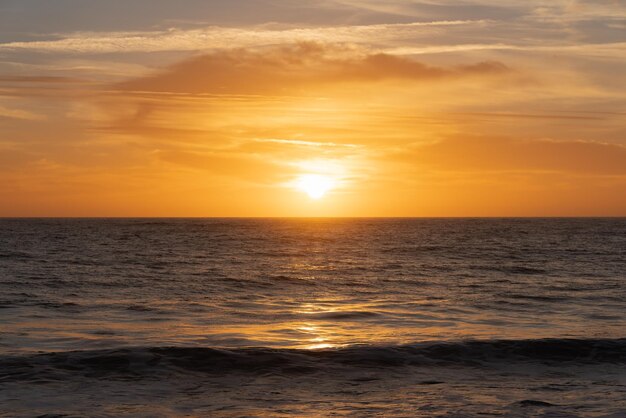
{"points": [[485, 153], [222, 37], [36, 79], [296, 142], [603, 50], [590, 116], [291, 69], [20, 114], [236, 165]]}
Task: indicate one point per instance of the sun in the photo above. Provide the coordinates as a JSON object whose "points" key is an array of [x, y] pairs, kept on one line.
{"points": [[315, 185]]}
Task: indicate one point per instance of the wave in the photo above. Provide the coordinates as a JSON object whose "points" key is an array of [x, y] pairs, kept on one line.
{"points": [[138, 362]]}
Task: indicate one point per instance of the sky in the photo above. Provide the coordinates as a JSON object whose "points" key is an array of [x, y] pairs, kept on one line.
{"points": [[328, 108]]}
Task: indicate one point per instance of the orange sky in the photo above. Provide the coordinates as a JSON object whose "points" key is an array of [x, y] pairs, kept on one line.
{"points": [[412, 109]]}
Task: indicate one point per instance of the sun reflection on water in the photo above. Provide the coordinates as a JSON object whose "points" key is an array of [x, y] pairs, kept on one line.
{"points": [[319, 338]]}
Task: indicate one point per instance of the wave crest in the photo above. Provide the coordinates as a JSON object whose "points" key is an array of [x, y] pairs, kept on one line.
{"points": [[145, 361]]}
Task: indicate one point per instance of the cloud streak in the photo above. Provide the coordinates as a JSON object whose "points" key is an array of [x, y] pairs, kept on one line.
{"points": [[296, 142], [612, 49], [220, 37], [292, 69], [490, 154], [20, 114]]}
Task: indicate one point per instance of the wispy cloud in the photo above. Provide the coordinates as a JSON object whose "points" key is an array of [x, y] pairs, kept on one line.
{"points": [[20, 114], [612, 49], [291, 69], [221, 37], [36, 79], [306, 143], [490, 153]]}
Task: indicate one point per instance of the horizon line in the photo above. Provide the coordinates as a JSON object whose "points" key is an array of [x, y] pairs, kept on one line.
{"points": [[324, 217]]}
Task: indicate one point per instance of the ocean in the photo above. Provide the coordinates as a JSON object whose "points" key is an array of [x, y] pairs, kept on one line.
{"points": [[313, 317]]}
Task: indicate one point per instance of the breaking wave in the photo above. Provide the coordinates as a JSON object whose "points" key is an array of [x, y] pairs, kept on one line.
{"points": [[141, 362]]}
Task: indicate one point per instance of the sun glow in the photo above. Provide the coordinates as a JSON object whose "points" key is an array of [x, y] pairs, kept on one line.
{"points": [[315, 185]]}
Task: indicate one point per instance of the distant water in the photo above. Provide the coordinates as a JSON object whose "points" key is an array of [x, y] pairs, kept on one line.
{"points": [[313, 317]]}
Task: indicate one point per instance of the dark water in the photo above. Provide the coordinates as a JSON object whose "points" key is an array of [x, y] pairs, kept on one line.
{"points": [[318, 317]]}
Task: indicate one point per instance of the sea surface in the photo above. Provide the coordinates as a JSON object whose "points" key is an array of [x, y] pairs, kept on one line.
{"points": [[313, 317]]}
